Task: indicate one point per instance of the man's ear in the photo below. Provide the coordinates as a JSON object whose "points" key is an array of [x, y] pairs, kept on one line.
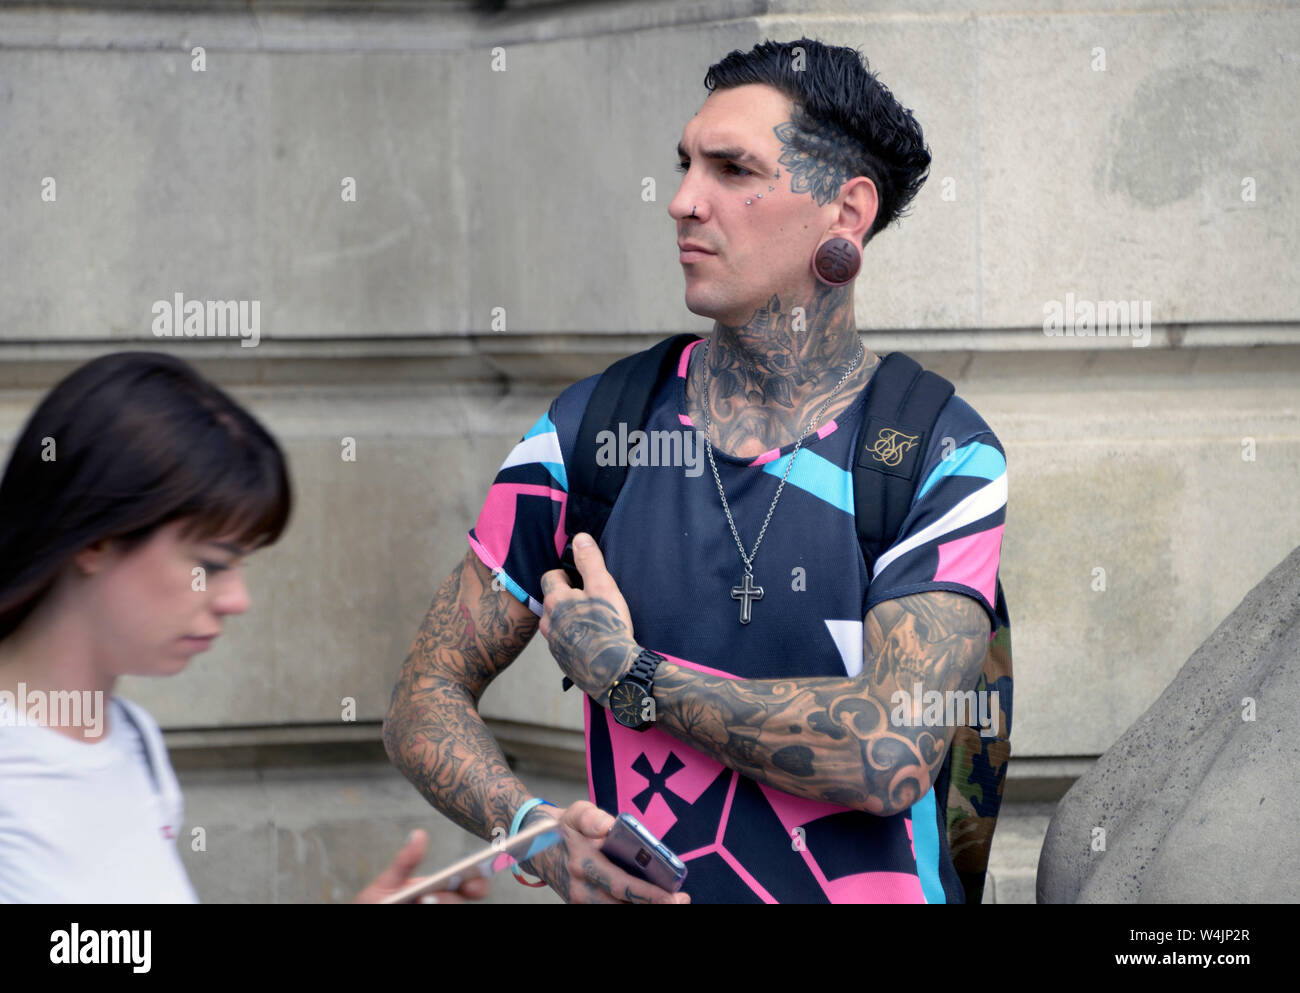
{"points": [[858, 209]]}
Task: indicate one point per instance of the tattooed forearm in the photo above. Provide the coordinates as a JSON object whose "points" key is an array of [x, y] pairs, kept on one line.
{"points": [[553, 863], [433, 732], [831, 738]]}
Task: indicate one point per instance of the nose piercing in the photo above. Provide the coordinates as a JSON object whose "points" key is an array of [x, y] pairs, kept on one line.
{"points": [[692, 210]]}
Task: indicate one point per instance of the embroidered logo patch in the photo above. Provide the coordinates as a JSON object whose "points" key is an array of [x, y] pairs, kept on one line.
{"points": [[892, 448], [891, 445]]}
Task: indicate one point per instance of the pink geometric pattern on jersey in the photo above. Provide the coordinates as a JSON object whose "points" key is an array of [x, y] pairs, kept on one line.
{"points": [[775, 453], [685, 362], [686, 420], [496, 522], [719, 849], [972, 561], [864, 887], [688, 782], [875, 887], [696, 773]]}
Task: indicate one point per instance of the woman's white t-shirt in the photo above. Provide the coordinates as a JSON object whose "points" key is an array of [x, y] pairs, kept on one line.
{"points": [[90, 822]]}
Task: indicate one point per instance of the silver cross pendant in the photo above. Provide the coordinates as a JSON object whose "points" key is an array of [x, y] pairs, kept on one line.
{"points": [[746, 594]]}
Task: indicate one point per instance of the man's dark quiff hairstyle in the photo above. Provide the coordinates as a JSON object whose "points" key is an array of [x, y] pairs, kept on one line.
{"points": [[843, 117]]}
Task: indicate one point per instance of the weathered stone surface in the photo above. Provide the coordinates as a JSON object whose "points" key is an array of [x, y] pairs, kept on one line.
{"points": [[1198, 801]]}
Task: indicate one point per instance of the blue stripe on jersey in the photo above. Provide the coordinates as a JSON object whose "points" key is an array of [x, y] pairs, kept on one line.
{"points": [[556, 469], [925, 839], [818, 476], [543, 426], [518, 591], [983, 461]]}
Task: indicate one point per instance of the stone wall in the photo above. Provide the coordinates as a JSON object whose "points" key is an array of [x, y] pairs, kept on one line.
{"points": [[1125, 152]]}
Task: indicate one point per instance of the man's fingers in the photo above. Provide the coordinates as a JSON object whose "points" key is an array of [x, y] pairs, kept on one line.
{"points": [[589, 560], [555, 579], [590, 820], [596, 579], [439, 896], [600, 873], [474, 889], [400, 869]]}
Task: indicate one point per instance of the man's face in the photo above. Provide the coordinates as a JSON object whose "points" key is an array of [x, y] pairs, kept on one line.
{"points": [[757, 237]]}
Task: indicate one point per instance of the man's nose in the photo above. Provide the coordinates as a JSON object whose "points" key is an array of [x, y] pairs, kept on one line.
{"points": [[688, 203]]}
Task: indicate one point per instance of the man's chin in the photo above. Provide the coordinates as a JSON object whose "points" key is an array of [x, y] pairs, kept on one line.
{"points": [[706, 306]]}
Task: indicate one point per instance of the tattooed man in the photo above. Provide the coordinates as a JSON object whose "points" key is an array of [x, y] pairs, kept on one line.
{"points": [[775, 756]]}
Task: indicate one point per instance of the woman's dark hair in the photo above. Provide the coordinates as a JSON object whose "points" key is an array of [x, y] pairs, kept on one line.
{"points": [[845, 119], [121, 446]]}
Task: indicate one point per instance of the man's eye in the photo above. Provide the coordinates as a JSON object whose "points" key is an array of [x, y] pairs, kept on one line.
{"points": [[736, 170], [213, 567]]}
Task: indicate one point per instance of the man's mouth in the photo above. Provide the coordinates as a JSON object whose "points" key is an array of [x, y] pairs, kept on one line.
{"points": [[690, 251]]}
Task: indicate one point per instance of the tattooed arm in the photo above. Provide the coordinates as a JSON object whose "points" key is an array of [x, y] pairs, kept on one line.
{"points": [[823, 737], [435, 736], [831, 738], [433, 732]]}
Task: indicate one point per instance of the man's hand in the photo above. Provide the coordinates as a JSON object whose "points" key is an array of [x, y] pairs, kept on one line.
{"points": [[576, 869], [398, 876], [589, 630]]}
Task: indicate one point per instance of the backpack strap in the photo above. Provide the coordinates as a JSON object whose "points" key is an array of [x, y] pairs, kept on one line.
{"points": [[622, 395], [903, 408], [903, 405]]}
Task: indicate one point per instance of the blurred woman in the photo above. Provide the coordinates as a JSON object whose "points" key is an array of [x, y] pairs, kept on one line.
{"points": [[131, 500]]}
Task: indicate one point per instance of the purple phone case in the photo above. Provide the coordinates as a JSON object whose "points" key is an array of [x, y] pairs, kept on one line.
{"points": [[636, 851]]}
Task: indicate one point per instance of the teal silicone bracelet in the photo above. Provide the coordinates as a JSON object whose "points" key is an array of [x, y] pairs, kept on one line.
{"points": [[520, 814]]}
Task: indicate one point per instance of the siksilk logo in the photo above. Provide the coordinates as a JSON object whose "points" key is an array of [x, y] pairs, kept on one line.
{"points": [[891, 445]]}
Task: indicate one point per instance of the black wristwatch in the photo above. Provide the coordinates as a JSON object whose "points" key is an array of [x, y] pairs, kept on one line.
{"points": [[631, 699]]}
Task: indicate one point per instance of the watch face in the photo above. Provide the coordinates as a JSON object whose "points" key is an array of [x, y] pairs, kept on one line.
{"points": [[626, 702]]}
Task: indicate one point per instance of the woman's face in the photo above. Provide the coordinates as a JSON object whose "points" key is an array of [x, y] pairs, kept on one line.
{"points": [[164, 601]]}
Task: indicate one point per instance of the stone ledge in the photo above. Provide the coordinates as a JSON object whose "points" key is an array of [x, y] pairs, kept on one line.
{"points": [[521, 356], [530, 748], [450, 27], [457, 25]]}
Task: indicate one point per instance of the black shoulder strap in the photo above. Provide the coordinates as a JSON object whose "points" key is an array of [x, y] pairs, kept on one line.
{"points": [[903, 405], [622, 395]]}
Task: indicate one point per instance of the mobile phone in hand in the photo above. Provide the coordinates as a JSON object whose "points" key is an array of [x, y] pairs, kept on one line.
{"points": [[638, 852]]}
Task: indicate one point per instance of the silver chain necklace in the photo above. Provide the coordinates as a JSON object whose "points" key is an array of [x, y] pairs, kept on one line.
{"points": [[746, 592]]}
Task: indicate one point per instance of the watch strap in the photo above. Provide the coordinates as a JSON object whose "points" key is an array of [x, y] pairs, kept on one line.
{"points": [[643, 669]]}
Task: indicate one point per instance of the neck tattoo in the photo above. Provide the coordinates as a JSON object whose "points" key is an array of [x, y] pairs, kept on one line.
{"points": [[747, 592]]}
